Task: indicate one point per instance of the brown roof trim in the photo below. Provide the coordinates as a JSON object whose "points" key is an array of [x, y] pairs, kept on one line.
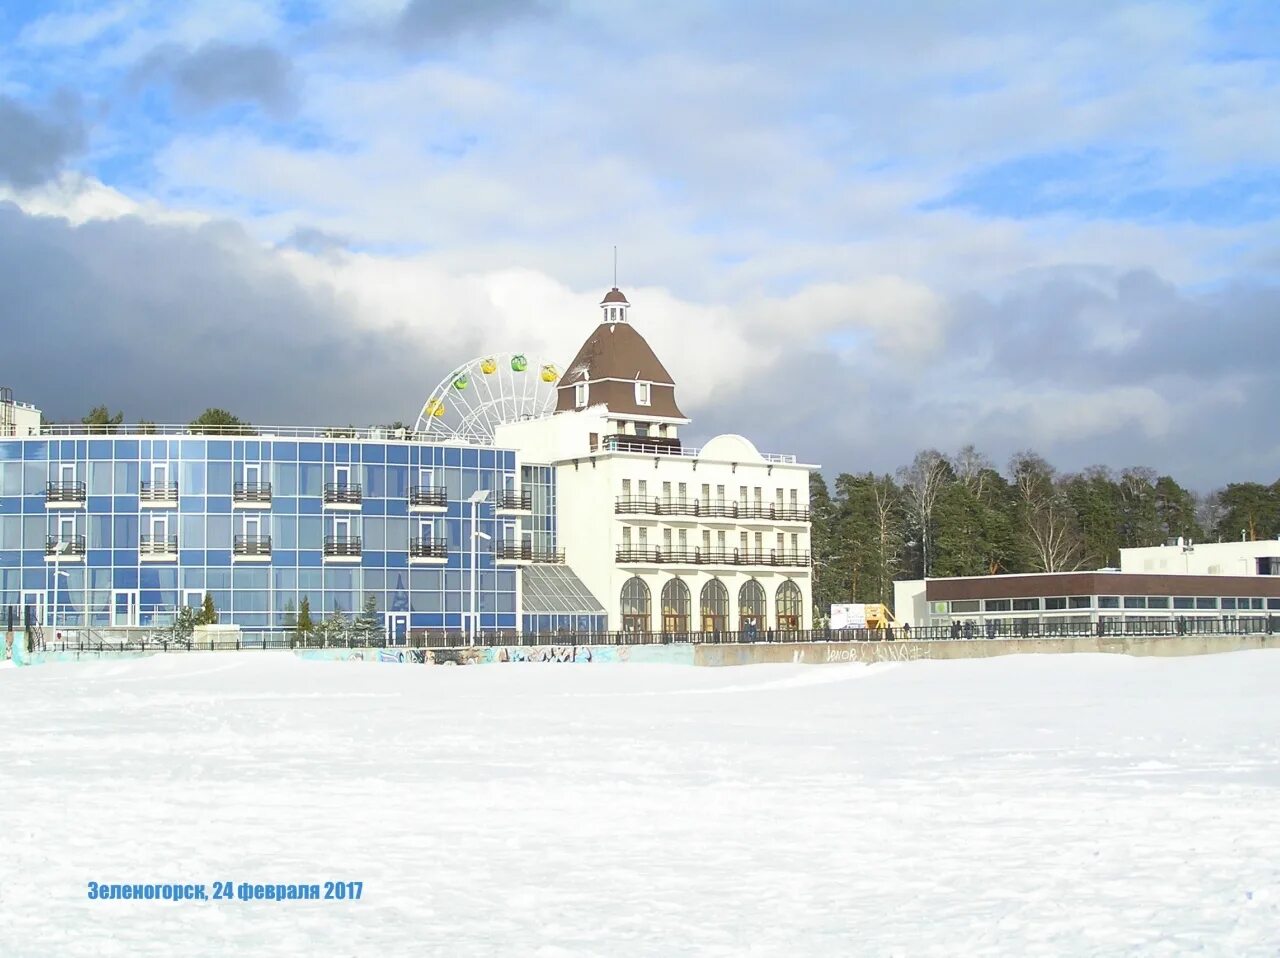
{"points": [[1100, 583], [614, 296]]}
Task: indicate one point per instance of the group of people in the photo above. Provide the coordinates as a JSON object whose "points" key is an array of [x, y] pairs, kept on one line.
{"points": [[966, 629]]}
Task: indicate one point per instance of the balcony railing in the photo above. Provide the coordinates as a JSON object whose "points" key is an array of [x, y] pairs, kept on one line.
{"points": [[252, 545], [345, 493], [510, 500], [342, 545], [158, 545], [717, 509], [158, 491], [252, 492], [434, 496], [64, 492], [716, 557], [64, 545], [420, 548], [524, 552]]}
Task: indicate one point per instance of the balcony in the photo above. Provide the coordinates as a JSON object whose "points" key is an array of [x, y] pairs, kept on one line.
{"points": [[626, 442], [345, 495], [158, 548], [342, 548], [717, 509], [520, 553], [516, 502], [251, 548], [64, 548], [251, 495], [64, 495], [428, 499], [428, 551], [158, 495], [661, 555]]}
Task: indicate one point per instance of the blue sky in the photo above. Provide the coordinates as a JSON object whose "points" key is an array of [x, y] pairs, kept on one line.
{"points": [[852, 231]]}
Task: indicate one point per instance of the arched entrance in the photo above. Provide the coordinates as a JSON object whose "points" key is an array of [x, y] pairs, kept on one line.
{"points": [[676, 604], [636, 611], [714, 606], [790, 603]]}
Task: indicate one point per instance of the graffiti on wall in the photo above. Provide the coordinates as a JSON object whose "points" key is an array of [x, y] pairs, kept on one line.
{"points": [[479, 655]]}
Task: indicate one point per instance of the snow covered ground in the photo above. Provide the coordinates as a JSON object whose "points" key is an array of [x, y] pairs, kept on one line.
{"points": [[1027, 805]]}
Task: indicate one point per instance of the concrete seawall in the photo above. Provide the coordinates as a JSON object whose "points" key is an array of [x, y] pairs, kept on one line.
{"points": [[822, 653]]}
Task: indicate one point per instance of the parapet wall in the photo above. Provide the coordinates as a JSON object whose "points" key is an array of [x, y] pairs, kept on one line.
{"points": [[801, 653]]}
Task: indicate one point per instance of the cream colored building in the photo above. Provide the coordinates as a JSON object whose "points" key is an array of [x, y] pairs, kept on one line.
{"points": [[668, 538], [17, 418]]}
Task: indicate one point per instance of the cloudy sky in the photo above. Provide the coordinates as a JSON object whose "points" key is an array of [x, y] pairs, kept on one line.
{"points": [[850, 230]]}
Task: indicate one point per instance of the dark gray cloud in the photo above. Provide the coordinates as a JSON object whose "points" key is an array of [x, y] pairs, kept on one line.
{"points": [[33, 146], [1084, 365], [435, 21], [162, 321], [218, 73]]}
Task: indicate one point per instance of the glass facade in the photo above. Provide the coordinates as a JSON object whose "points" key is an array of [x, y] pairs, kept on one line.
{"points": [[122, 530]]}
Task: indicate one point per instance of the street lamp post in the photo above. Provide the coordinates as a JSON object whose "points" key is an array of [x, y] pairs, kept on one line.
{"points": [[477, 497]]}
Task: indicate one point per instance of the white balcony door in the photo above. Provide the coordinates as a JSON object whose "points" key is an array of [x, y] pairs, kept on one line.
{"points": [[159, 475], [35, 602], [252, 525], [341, 528], [342, 477], [397, 628], [425, 529], [252, 474], [124, 608], [66, 473], [159, 531]]}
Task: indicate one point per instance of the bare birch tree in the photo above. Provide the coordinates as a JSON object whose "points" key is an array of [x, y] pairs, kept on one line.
{"points": [[921, 482]]}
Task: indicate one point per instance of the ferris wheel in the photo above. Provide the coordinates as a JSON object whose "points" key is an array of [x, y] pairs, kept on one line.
{"points": [[484, 393]]}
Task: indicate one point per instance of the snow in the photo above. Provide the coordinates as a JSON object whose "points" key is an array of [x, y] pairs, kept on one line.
{"points": [[1023, 805]]}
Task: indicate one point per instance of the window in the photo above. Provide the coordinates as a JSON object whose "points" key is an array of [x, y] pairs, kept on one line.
{"points": [[580, 395], [1182, 602], [1157, 602], [964, 605], [1273, 604], [642, 394], [1080, 602], [1203, 602], [1026, 605], [1055, 603], [1230, 604], [1135, 602], [626, 488], [1108, 602], [997, 605]]}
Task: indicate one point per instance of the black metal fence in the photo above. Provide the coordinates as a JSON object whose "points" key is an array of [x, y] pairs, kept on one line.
{"points": [[426, 639]]}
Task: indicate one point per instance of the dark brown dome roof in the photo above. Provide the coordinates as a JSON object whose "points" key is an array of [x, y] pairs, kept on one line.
{"points": [[612, 359], [614, 296]]}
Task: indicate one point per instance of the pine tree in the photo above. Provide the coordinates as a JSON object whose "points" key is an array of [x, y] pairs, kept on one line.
{"points": [[208, 614], [367, 627], [304, 625]]}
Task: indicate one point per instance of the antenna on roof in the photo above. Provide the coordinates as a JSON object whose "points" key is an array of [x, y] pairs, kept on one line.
{"points": [[615, 267]]}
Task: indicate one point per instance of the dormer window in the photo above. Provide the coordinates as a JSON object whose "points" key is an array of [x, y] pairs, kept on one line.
{"points": [[580, 395], [642, 394]]}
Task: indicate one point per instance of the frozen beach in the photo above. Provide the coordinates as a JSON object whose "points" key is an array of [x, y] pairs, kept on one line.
{"points": [[1027, 805]]}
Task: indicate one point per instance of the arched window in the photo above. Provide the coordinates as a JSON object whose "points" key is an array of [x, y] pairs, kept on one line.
{"points": [[675, 606], [789, 601], [635, 605], [715, 607], [751, 606]]}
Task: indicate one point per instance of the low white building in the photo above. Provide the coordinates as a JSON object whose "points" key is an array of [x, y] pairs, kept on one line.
{"points": [[668, 538]]}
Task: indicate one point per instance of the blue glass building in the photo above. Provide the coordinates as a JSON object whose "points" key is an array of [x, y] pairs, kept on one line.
{"points": [[121, 530]]}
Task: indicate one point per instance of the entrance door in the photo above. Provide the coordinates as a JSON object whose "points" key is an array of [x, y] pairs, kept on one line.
{"points": [[124, 608], [35, 601], [397, 628]]}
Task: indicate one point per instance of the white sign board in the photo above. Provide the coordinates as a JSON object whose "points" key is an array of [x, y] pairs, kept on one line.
{"points": [[852, 615]]}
